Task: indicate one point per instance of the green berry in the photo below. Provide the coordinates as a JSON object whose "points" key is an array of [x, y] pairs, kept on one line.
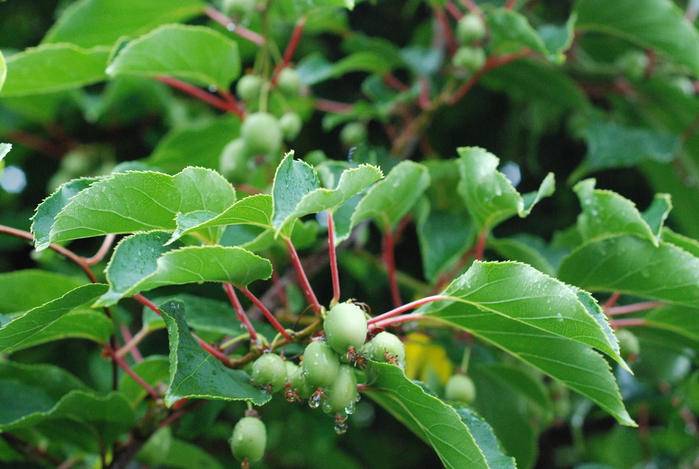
{"points": [[460, 388], [469, 58], [470, 28], [238, 7], [628, 343], [353, 134], [300, 384], [290, 124], [249, 439], [320, 364], [386, 347], [233, 163], [248, 88], [261, 133], [289, 82], [345, 326], [269, 370], [341, 395]]}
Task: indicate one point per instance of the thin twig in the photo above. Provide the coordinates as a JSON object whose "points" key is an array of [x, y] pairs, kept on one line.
{"points": [[335, 107], [453, 10], [128, 338], [388, 257], [398, 320], [480, 245], [198, 93], [333, 260], [127, 369], [627, 322], [267, 313], [102, 251], [472, 7], [240, 311], [241, 31], [303, 280], [290, 48], [632, 308], [406, 307]]}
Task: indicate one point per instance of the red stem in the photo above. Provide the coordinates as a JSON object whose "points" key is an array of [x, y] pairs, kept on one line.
{"points": [[36, 143], [472, 7], [241, 31], [102, 251], [333, 260], [492, 62], [423, 98], [279, 288], [453, 10], [632, 308], [239, 311], [267, 313], [391, 80], [303, 280], [336, 107], [212, 350], [233, 103], [627, 322], [390, 262], [126, 334], [125, 366], [611, 301], [480, 245], [510, 4], [198, 93], [399, 319], [147, 303], [446, 30], [407, 307], [290, 48]]}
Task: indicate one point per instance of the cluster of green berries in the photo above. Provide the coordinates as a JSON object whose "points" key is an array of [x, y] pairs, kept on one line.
{"points": [[470, 31]]}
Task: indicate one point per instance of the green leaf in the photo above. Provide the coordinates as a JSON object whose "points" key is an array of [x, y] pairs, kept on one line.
{"points": [[612, 145], [635, 266], [607, 213], [656, 214], [688, 244], [3, 75], [48, 210], [53, 67], [194, 373], [645, 22], [539, 320], [488, 194], [485, 439], [255, 210], [196, 145], [184, 455], [305, 7], [365, 61], [558, 39], [444, 237], [192, 53], [41, 324], [527, 80], [204, 314], [517, 250], [389, 200], [19, 292], [510, 398], [510, 32], [352, 181], [90, 23], [109, 417], [293, 180], [140, 201], [678, 319], [141, 262], [436, 423]]}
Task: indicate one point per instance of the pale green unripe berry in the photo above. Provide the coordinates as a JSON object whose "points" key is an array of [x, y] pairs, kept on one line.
{"points": [[300, 384], [289, 82], [386, 347], [345, 326], [470, 28], [291, 124], [269, 369], [249, 439], [233, 163], [261, 133], [628, 343], [353, 134], [460, 388], [469, 58], [342, 393], [320, 364], [248, 88]]}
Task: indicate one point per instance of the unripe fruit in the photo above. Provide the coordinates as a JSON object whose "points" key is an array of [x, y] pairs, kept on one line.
{"points": [[345, 326], [261, 133], [269, 370], [291, 124], [386, 347], [469, 58], [353, 134], [291, 369], [628, 343], [248, 88], [470, 28], [289, 82], [320, 364], [460, 388], [238, 7], [300, 384], [233, 163], [341, 396], [249, 439]]}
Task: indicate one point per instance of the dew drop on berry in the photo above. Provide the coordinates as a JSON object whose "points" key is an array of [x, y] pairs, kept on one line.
{"points": [[340, 426], [349, 410], [314, 401]]}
